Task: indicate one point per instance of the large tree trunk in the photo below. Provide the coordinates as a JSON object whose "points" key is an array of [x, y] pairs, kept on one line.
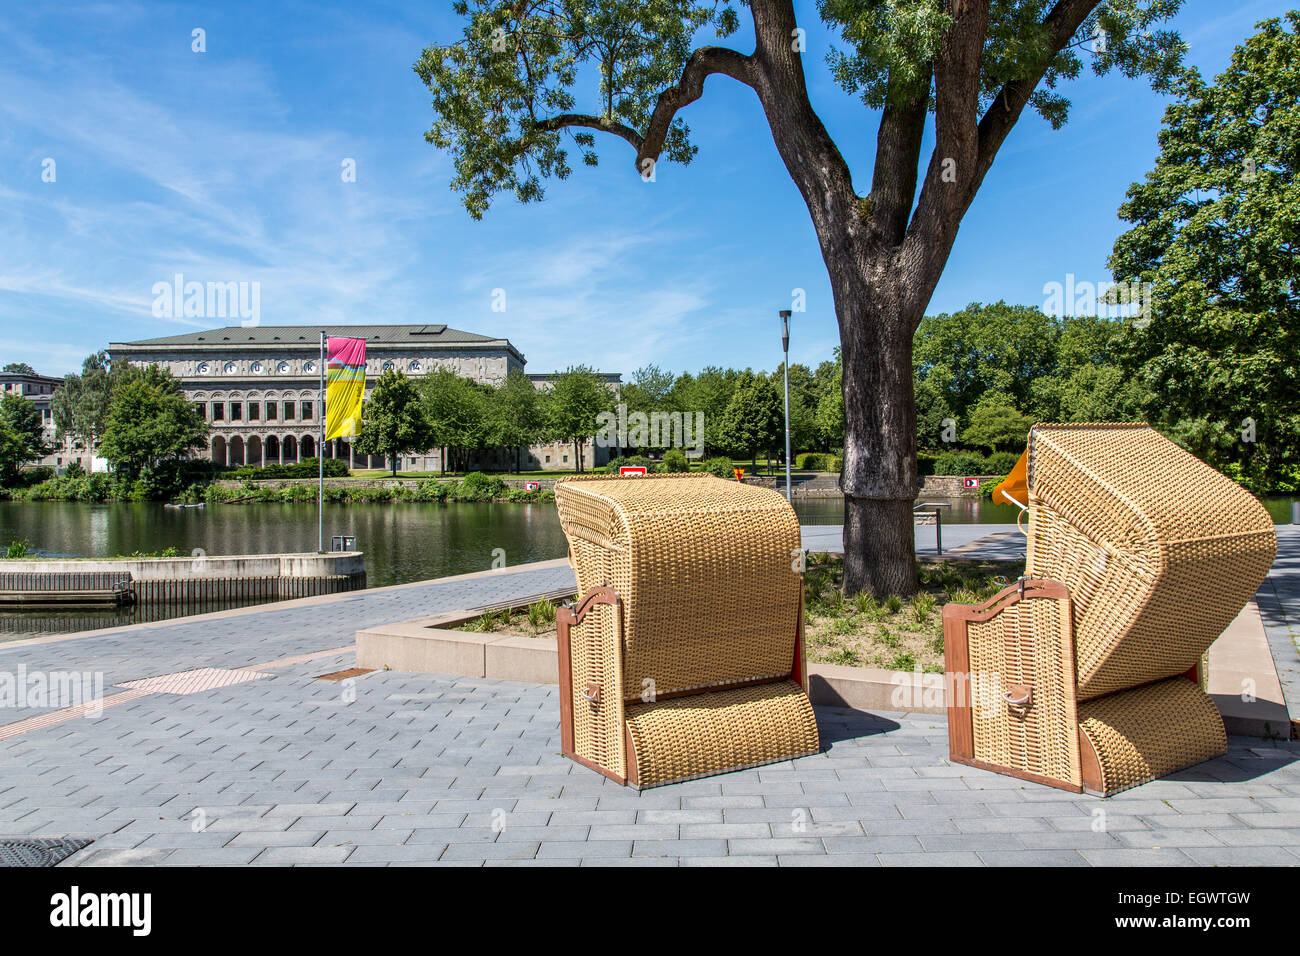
{"points": [[879, 479]]}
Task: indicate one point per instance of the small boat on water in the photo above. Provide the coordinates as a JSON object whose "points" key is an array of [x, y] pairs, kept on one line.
{"points": [[173, 505]]}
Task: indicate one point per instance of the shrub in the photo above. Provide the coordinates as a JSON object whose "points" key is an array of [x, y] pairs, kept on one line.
{"points": [[307, 468], [719, 467], [819, 461], [961, 463], [430, 489], [476, 486], [27, 477], [675, 461], [634, 460], [1001, 462]]}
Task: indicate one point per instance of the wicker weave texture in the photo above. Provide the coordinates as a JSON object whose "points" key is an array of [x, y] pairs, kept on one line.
{"points": [[1149, 731], [594, 658], [706, 571], [1159, 551], [1027, 644], [703, 734]]}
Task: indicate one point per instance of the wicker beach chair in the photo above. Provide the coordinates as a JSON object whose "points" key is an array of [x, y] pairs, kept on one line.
{"points": [[684, 655], [1086, 674]]}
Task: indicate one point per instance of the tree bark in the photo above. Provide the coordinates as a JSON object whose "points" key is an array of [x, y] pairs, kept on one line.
{"points": [[879, 477]]}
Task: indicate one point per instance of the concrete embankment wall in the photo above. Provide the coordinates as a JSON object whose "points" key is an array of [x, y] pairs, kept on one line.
{"points": [[199, 578]]}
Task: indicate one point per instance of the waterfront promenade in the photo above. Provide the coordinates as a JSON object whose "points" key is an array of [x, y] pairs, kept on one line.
{"points": [[393, 768]]}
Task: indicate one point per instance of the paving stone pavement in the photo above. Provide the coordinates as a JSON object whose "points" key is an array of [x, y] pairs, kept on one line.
{"points": [[394, 769], [407, 769]]}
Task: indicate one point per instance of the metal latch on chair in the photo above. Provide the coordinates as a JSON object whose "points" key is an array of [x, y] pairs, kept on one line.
{"points": [[1019, 695], [592, 693]]}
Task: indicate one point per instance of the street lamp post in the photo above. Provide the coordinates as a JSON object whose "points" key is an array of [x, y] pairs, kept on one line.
{"points": [[785, 372]]}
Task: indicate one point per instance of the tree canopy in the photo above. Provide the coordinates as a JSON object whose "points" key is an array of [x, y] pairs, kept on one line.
{"points": [[526, 82], [150, 420], [1215, 231], [392, 420], [22, 436]]}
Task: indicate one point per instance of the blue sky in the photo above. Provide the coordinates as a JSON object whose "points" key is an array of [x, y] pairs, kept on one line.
{"points": [[225, 166]]}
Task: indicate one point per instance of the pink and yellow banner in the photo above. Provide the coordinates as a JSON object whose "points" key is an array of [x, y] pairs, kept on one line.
{"points": [[345, 387]]}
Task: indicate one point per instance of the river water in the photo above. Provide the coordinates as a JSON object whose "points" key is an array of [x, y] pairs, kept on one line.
{"points": [[402, 542]]}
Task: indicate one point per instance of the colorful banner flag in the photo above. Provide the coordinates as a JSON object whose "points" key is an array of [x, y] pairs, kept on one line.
{"points": [[345, 387]]}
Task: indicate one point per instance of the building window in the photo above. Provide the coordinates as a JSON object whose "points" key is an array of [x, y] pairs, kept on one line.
{"points": [[548, 459], [202, 409], [306, 411], [236, 411], [270, 411], [254, 411], [288, 411], [218, 412]]}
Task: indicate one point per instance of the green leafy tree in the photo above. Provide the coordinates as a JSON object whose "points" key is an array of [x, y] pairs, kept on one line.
{"points": [[996, 348], [709, 392], [995, 424], [456, 409], [150, 421], [393, 422], [22, 436], [80, 405], [755, 418], [515, 415], [575, 398], [20, 367], [1214, 233], [650, 390], [506, 106]]}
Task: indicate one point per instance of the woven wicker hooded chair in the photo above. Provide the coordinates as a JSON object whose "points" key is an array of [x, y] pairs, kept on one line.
{"points": [[1086, 674], [684, 655]]}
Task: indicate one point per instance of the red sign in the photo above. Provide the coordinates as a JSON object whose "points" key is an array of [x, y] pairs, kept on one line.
{"points": [[631, 470], [532, 485], [740, 473], [970, 482]]}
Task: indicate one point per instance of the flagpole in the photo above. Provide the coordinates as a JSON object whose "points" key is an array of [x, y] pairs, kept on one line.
{"points": [[320, 454]]}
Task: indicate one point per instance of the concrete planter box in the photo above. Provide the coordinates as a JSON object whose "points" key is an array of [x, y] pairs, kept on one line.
{"points": [[432, 645]]}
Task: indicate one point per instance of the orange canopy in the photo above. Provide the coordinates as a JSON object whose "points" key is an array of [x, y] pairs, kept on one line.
{"points": [[1014, 488]]}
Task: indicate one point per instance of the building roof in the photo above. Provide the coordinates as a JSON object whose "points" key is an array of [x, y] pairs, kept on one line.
{"points": [[308, 334]]}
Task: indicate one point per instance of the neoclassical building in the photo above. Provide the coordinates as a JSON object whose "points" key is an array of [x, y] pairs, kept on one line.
{"points": [[259, 387]]}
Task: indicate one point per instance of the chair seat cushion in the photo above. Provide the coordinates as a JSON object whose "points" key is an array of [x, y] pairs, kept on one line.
{"points": [[703, 734]]}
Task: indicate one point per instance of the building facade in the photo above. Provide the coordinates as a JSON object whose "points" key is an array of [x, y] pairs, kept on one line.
{"points": [[39, 390], [259, 387]]}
